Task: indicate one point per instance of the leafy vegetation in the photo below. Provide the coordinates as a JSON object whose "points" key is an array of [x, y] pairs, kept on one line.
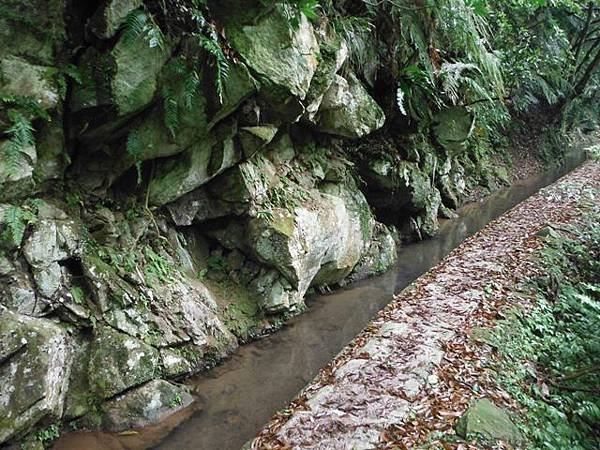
{"points": [[550, 353], [15, 220]]}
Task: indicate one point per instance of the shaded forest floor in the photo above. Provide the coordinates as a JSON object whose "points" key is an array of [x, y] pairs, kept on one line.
{"points": [[406, 379]]}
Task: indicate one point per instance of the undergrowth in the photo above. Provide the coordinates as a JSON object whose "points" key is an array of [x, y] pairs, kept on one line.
{"points": [[550, 354]]}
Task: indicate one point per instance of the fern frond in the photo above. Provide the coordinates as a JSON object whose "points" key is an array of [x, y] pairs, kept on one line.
{"points": [[134, 26], [222, 64], [191, 88], [170, 110], [20, 138], [15, 220], [139, 24]]}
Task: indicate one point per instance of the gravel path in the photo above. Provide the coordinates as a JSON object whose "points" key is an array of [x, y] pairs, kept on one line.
{"points": [[389, 373]]}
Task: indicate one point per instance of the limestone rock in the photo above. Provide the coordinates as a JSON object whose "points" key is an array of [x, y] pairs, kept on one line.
{"points": [[285, 58], [348, 110], [302, 247], [398, 189], [119, 361], [334, 52], [198, 206], [145, 405], [34, 371], [255, 138], [16, 180], [39, 31], [23, 79], [123, 79], [379, 256], [194, 167], [52, 241], [452, 127], [486, 419]]}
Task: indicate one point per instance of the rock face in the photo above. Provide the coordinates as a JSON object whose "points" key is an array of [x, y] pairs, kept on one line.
{"points": [[34, 370], [486, 419], [145, 405], [347, 110], [172, 186], [270, 49]]}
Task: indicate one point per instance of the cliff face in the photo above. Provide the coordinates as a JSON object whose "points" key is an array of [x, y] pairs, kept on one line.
{"points": [[166, 195]]}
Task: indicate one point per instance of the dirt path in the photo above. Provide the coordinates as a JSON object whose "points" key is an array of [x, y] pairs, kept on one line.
{"points": [[387, 388]]}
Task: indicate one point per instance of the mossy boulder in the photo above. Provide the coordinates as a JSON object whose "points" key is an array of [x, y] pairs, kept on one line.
{"points": [[123, 80], [286, 57], [33, 29], [35, 360], [485, 419], [145, 405], [20, 78], [452, 127], [119, 361], [301, 245], [348, 110]]}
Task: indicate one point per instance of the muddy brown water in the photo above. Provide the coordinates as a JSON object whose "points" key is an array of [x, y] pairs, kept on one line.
{"points": [[238, 397]]}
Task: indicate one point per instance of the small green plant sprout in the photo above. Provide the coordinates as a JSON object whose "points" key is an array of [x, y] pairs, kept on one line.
{"points": [[201, 275], [48, 434], [78, 294], [176, 400], [217, 263]]}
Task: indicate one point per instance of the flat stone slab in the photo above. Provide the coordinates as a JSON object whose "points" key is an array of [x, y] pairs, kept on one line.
{"points": [[379, 379]]}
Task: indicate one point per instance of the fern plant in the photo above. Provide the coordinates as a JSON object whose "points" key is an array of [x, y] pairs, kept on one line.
{"points": [[139, 24], [211, 45], [21, 137], [16, 220]]}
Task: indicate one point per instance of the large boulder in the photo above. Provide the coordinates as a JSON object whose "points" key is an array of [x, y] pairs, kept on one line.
{"points": [[300, 246], [32, 28], [201, 162], [145, 405], [119, 361], [23, 79], [55, 238], [34, 370], [123, 80], [348, 110], [285, 56], [452, 127]]}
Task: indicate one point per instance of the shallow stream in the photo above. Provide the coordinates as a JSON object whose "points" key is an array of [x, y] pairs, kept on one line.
{"points": [[238, 397]]}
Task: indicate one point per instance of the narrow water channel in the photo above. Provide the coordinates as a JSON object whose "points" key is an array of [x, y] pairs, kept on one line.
{"points": [[238, 397]]}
